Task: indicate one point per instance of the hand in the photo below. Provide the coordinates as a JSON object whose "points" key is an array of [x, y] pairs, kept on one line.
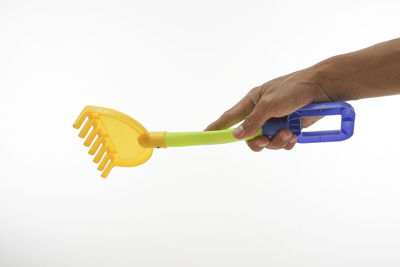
{"points": [[276, 98]]}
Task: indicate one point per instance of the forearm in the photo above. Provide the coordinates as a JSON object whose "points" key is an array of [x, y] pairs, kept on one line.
{"points": [[370, 72]]}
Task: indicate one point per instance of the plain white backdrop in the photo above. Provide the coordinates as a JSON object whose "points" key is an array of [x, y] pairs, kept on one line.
{"points": [[176, 66]]}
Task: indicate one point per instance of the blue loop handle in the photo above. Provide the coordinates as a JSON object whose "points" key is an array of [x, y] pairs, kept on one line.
{"points": [[292, 122]]}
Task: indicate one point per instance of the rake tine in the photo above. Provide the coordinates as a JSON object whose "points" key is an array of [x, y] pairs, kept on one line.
{"points": [[107, 170], [100, 153], [95, 146], [78, 123], [90, 137], [103, 162], [85, 129]]}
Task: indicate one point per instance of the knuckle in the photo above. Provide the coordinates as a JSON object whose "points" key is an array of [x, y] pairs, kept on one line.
{"points": [[268, 106], [248, 122], [251, 144], [265, 99], [292, 143], [226, 116], [254, 148], [285, 135], [290, 147], [254, 90], [265, 103]]}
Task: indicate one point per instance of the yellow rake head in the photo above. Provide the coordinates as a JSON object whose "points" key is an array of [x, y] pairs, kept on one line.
{"points": [[114, 136]]}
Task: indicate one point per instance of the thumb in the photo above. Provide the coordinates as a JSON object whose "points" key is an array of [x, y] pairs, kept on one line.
{"points": [[253, 122]]}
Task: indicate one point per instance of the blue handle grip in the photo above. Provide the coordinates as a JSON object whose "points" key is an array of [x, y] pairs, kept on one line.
{"points": [[292, 122]]}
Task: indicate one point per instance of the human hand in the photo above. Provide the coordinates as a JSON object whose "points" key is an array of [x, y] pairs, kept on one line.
{"points": [[276, 98]]}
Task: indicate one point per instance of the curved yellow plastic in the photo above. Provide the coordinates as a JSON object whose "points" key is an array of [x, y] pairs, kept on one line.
{"points": [[117, 138]]}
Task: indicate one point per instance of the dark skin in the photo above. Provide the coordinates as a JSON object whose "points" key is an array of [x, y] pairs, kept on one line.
{"points": [[370, 72]]}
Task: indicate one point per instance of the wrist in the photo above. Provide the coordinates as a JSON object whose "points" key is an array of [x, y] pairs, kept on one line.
{"points": [[331, 79]]}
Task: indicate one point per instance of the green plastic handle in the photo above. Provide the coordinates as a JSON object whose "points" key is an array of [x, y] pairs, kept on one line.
{"points": [[203, 138]]}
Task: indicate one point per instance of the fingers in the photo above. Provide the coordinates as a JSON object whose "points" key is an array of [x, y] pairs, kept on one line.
{"points": [[257, 144], [237, 113], [291, 143], [284, 139], [253, 121], [280, 140]]}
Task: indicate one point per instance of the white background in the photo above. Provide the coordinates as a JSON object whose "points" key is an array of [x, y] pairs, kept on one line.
{"points": [[176, 66]]}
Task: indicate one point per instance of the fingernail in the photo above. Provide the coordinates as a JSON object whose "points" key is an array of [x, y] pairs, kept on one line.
{"points": [[286, 137], [239, 131]]}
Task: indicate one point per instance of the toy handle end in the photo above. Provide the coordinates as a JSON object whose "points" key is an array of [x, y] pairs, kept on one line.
{"points": [[343, 109], [293, 123]]}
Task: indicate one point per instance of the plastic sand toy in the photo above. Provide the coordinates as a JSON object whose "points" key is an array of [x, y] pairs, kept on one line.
{"points": [[116, 139]]}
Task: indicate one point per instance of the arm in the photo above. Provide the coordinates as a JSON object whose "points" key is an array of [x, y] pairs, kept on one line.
{"points": [[370, 72]]}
